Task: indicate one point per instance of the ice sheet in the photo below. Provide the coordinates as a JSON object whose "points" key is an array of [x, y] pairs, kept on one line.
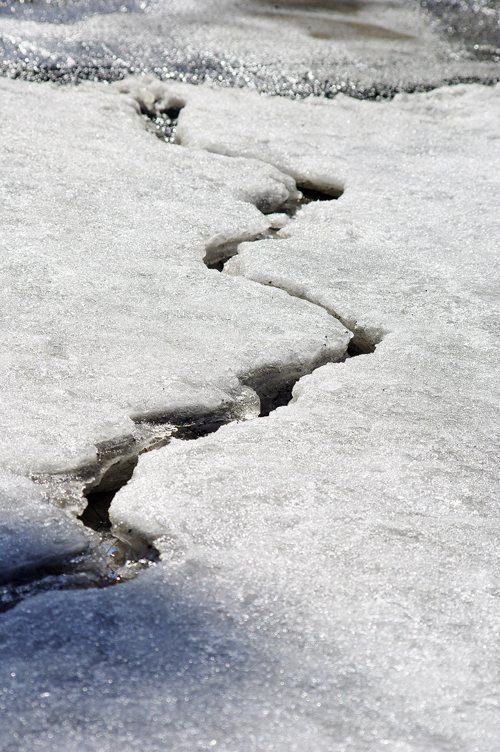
{"points": [[359, 523], [329, 579], [110, 315], [413, 233]]}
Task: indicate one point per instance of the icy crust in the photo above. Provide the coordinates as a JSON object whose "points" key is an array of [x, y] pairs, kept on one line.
{"points": [[358, 525], [268, 129], [412, 236], [110, 316], [165, 662], [358, 528], [329, 575]]}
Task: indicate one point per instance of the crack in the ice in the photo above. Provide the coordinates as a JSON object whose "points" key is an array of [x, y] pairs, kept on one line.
{"points": [[217, 255], [362, 342], [160, 112], [163, 124], [271, 397], [117, 459], [74, 577]]}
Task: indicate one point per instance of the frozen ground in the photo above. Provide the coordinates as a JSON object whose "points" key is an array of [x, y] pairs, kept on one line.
{"points": [[329, 573], [368, 48]]}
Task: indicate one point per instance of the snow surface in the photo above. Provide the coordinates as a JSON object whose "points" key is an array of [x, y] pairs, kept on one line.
{"points": [[110, 315], [359, 523], [329, 575]]}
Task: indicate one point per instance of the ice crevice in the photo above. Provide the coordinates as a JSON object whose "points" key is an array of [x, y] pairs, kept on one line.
{"points": [[364, 339], [128, 554], [88, 491], [155, 101], [225, 258], [160, 109]]}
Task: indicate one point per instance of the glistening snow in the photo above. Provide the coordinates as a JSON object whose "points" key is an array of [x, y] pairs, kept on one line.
{"points": [[329, 574]]}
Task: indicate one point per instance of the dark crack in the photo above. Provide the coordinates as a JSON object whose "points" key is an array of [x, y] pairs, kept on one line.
{"points": [[74, 578], [274, 387], [362, 342], [118, 460], [314, 194], [163, 124], [217, 256], [161, 113], [111, 560]]}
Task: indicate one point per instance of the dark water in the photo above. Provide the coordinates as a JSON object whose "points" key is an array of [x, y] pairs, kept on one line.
{"points": [[476, 23]]}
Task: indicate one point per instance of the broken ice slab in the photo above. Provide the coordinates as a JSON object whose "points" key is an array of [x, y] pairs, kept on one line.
{"points": [[112, 318], [41, 547]]}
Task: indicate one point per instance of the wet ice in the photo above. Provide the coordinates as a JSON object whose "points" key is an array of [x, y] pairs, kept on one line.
{"points": [[329, 572], [367, 49]]}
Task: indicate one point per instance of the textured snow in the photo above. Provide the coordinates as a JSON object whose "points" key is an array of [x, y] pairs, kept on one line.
{"points": [[110, 316], [329, 574], [358, 525]]}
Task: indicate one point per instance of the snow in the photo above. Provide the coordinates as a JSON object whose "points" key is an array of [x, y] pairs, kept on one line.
{"points": [[418, 158], [359, 523], [329, 573], [110, 316]]}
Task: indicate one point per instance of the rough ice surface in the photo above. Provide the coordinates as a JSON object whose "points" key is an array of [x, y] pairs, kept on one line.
{"points": [[110, 316], [358, 525], [329, 574], [419, 159], [370, 48]]}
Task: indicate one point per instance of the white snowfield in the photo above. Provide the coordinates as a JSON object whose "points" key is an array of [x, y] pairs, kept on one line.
{"points": [[329, 576]]}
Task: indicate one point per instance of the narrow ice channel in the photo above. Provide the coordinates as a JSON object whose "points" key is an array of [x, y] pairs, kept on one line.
{"points": [[261, 382], [124, 560]]}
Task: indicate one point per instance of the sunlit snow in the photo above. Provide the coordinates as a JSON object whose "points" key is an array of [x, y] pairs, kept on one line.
{"points": [[316, 533]]}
